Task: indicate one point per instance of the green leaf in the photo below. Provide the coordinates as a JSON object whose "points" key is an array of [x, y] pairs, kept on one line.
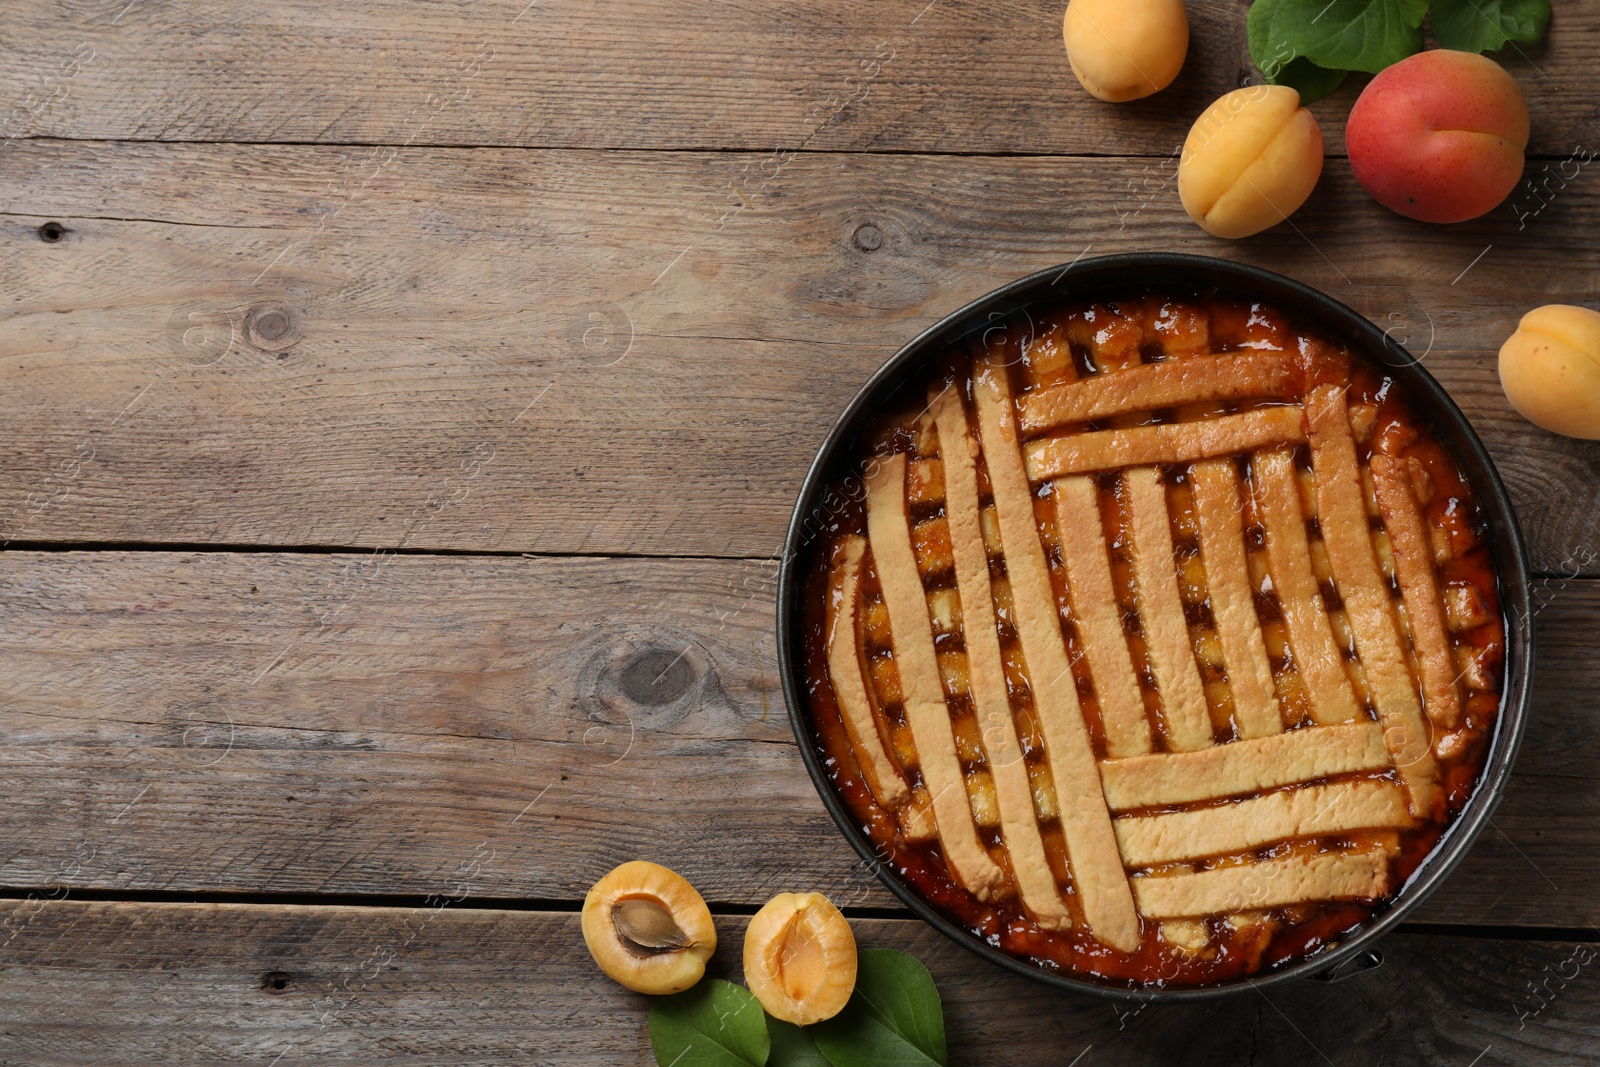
{"points": [[1344, 34], [792, 1046], [1268, 48], [714, 1024], [1276, 58], [894, 1018], [1309, 80], [1487, 25]]}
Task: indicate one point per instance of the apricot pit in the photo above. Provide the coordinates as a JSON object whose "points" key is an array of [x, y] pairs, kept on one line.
{"points": [[800, 958], [648, 928]]}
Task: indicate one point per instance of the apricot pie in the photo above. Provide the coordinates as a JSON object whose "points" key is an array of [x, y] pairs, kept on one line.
{"points": [[1159, 645]]}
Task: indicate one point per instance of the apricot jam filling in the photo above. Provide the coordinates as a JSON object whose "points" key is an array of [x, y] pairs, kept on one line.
{"points": [[1159, 645]]}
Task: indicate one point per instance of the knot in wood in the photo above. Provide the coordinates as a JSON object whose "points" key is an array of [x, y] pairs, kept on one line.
{"points": [[271, 327], [277, 981], [868, 237], [643, 680], [656, 677]]}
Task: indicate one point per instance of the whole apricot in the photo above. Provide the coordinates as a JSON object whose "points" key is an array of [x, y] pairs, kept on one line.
{"points": [[800, 958], [648, 928], [1550, 369], [1439, 137], [1250, 161], [1124, 49]]}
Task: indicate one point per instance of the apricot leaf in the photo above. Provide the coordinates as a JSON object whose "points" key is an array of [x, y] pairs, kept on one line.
{"points": [[714, 1024], [1268, 46], [1332, 35], [792, 1046], [1309, 80], [1355, 34], [894, 1018], [1277, 60], [1488, 25]]}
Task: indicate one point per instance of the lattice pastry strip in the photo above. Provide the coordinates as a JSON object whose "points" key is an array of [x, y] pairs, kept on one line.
{"points": [[1311, 811], [1159, 385], [1217, 512], [1086, 824], [1099, 616], [1185, 720], [849, 688], [1317, 658], [1348, 536], [924, 697], [1019, 829], [1413, 564], [1167, 443], [1268, 884], [1163, 779]]}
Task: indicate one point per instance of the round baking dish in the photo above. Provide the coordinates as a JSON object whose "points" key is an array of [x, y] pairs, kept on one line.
{"points": [[1120, 273]]}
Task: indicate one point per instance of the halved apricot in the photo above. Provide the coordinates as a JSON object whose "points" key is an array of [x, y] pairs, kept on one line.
{"points": [[800, 958], [648, 928]]}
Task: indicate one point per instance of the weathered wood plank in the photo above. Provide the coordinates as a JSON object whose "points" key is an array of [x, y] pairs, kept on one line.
{"points": [[303, 723], [953, 75], [682, 363], [88, 982]]}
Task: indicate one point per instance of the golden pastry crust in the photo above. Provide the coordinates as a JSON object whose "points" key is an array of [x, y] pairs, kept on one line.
{"points": [[1308, 811], [1091, 845], [1341, 509], [1419, 586], [844, 673], [1305, 616], [1217, 514], [1163, 779], [1158, 385], [914, 657], [1030, 866], [1184, 718], [1099, 617], [1104, 450], [1268, 884]]}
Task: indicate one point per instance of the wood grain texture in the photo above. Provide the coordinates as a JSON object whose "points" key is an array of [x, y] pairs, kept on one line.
{"points": [[909, 75], [295, 345], [442, 984], [325, 723]]}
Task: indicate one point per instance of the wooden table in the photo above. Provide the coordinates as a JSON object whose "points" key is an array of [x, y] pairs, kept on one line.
{"points": [[403, 405]]}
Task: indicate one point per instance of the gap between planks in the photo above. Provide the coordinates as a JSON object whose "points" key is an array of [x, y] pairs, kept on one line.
{"points": [[1531, 157], [379, 902], [363, 550]]}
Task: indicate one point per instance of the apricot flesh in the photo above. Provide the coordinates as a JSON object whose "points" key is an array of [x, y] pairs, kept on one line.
{"points": [[1125, 49], [648, 928], [1550, 369], [1250, 161], [1439, 137], [800, 958]]}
